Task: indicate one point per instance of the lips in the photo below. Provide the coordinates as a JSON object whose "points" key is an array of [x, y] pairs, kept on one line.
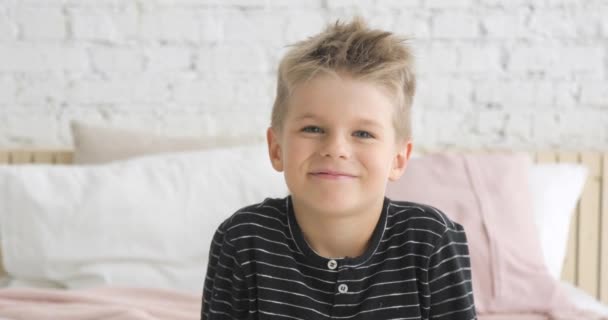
{"points": [[331, 174]]}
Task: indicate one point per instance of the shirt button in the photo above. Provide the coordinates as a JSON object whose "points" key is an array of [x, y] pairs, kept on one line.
{"points": [[332, 264], [343, 288]]}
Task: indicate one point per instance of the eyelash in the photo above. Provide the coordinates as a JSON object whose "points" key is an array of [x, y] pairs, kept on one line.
{"points": [[366, 134], [359, 133], [309, 129]]}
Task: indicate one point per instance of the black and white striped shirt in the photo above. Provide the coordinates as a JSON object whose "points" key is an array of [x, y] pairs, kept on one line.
{"points": [[416, 267]]}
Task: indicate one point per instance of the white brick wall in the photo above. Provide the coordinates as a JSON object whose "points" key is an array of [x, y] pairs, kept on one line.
{"points": [[518, 73]]}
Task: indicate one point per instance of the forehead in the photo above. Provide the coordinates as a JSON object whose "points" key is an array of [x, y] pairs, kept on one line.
{"points": [[334, 95]]}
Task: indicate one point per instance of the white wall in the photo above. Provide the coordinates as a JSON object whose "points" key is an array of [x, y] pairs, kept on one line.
{"points": [[512, 73]]}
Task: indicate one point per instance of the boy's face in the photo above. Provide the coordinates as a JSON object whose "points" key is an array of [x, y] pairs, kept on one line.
{"points": [[338, 146]]}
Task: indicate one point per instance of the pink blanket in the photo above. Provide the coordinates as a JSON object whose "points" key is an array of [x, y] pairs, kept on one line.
{"points": [[578, 315], [114, 303], [99, 303]]}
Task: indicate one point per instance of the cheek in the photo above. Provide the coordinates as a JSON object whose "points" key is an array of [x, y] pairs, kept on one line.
{"points": [[299, 148]]}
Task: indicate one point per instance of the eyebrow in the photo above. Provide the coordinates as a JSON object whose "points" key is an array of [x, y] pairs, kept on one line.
{"points": [[360, 121], [306, 116]]}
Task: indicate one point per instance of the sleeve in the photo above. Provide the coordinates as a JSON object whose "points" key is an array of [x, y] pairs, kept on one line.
{"points": [[225, 294], [449, 274]]}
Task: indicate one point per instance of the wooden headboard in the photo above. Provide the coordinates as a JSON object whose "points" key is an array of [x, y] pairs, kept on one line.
{"points": [[586, 264]]}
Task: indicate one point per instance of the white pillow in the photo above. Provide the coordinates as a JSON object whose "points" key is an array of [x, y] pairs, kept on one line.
{"points": [[144, 222], [556, 189]]}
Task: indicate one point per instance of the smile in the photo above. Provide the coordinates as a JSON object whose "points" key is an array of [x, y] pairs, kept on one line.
{"points": [[332, 175]]}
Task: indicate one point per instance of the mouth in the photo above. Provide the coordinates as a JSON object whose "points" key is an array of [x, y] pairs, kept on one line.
{"points": [[331, 175]]}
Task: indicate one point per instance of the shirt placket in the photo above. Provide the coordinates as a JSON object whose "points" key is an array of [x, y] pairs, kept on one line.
{"points": [[342, 288]]}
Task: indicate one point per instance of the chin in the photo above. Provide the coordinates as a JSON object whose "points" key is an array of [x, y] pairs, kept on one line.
{"points": [[335, 203]]}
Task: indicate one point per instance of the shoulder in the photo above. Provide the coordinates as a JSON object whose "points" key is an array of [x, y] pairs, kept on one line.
{"points": [[259, 218], [418, 216]]}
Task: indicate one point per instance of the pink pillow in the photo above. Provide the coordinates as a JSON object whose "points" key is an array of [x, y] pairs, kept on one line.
{"points": [[488, 194]]}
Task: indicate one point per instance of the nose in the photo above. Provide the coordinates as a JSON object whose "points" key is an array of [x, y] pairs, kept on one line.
{"points": [[335, 146]]}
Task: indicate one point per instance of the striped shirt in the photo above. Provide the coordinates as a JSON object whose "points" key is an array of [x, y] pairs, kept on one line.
{"points": [[416, 267]]}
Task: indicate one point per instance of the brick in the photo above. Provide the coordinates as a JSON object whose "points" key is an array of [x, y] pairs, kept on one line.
{"points": [[42, 23], [238, 123], [399, 4], [115, 91], [448, 4], [491, 122], [544, 122], [257, 91], [574, 129], [582, 60], [239, 28], [518, 127], [170, 24], [455, 25], [436, 59], [553, 24], [382, 18], [220, 123], [194, 3], [338, 4], [168, 58], [42, 3], [8, 89], [566, 94], [604, 22], [558, 62], [595, 94], [8, 27], [127, 116], [529, 59], [304, 25], [443, 93], [420, 131], [306, 4], [136, 120], [245, 3], [186, 123], [113, 25], [561, 3], [506, 4], [481, 59], [232, 58], [268, 26], [505, 24], [41, 88], [30, 57], [210, 90], [32, 127], [116, 59], [210, 26], [582, 129], [448, 124], [514, 95], [412, 25]]}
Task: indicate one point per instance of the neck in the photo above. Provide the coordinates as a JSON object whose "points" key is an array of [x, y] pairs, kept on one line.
{"points": [[335, 235]]}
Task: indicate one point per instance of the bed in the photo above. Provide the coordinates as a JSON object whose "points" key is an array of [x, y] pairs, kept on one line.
{"points": [[585, 267]]}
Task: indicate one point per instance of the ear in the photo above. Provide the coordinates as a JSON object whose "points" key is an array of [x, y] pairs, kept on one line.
{"points": [[274, 149], [400, 161]]}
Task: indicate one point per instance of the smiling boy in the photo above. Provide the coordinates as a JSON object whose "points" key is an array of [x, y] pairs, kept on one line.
{"points": [[336, 247]]}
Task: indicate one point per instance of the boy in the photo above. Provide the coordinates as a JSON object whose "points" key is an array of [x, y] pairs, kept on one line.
{"points": [[336, 247]]}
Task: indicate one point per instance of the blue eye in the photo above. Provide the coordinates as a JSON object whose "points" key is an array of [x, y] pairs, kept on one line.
{"points": [[363, 134], [312, 129]]}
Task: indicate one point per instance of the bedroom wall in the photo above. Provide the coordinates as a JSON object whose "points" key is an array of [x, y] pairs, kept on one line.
{"points": [[521, 74]]}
